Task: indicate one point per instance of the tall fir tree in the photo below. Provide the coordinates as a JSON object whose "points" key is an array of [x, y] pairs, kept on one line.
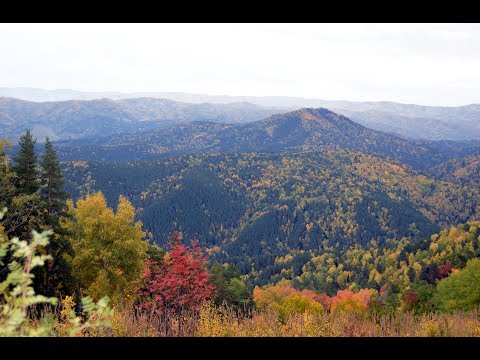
{"points": [[57, 277], [51, 182], [24, 214], [25, 165], [6, 175]]}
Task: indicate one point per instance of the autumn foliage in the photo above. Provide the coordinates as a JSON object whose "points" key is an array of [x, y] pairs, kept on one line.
{"points": [[348, 301], [289, 301], [180, 282], [286, 301]]}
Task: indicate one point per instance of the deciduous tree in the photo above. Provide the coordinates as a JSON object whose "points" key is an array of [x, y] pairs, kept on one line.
{"points": [[181, 283], [109, 248], [460, 290]]}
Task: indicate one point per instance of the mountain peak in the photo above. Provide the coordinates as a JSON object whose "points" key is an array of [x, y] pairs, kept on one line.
{"points": [[315, 113], [307, 114], [318, 118]]}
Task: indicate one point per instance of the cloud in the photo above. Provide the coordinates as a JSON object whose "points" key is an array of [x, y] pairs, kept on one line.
{"points": [[432, 64]]}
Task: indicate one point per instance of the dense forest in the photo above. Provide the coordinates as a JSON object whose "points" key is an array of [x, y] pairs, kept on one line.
{"points": [[347, 238], [256, 210]]}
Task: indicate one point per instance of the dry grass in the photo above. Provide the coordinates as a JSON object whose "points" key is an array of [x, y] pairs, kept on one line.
{"points": [[224, 321], [213, 321]]}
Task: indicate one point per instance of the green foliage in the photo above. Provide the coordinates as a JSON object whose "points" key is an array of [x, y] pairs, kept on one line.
{"points": [[37, 201], [460, 290], [230, 288], [51, 184], [23, 199], [25, 165], [17, 290], [57, 275], [19, 295], [6, 176]]}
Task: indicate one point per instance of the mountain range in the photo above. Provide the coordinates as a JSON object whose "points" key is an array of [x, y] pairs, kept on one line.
{"points": [[92, 118], [298, 130], [406, 120]]}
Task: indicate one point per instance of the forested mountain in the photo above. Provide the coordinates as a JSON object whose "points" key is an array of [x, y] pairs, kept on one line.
{"points": [[253, 209], [298, 130], [464, 171], [79, 119], [406, 120]]}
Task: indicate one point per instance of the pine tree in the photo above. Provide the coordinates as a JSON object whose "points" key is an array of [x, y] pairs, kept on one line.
{"points": [[25, 166], [58, 278], [25, 207], [4, 165], [6, 176], [51, 186]]}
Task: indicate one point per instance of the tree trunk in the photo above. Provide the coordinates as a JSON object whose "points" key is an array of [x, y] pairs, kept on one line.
{"points": [[167, 323], [179, 315], [47, 277]]}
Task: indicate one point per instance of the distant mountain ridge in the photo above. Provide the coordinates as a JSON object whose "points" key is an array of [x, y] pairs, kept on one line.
{"points": [[101, 117], [406, 120]]}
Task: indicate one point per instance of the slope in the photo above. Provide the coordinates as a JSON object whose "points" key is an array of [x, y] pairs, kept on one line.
{"points": [[297, 130], [252, 208]]}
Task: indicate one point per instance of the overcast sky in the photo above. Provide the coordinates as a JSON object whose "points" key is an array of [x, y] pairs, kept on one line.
{"points": [[428, 64]]}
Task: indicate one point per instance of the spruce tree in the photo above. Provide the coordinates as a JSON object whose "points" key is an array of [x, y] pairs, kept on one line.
{"points": [[25, 166], [6, 176], [51, 186], [24, 213], [57, 277]]}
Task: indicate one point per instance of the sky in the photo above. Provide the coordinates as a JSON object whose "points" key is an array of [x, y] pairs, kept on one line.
{"points": [[427, 64]]}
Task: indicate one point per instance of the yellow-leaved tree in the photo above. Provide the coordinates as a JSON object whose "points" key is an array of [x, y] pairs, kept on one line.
{"points": [[110, 252], [3, 237]]}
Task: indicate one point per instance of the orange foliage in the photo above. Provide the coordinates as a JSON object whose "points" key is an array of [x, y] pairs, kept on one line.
{"points": [[348, 301]]}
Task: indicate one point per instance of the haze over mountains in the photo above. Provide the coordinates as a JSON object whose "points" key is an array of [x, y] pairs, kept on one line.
{"points": [[74, 119], [406, 120]]}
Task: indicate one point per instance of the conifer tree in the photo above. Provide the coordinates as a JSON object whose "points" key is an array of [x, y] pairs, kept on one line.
{"points": [[51, 186], [25, 208], [25, 165], [6, 175], [57, 278]]}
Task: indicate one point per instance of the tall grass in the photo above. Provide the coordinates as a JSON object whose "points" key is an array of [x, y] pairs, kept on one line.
{"points": [[224, 321]]}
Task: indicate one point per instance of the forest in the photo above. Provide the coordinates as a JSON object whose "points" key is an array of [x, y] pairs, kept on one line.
{"points": [[322, 241]]}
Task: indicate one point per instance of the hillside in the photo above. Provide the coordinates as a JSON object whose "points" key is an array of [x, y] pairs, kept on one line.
{"points": [[406, 120], [74, 119], [252, 209], [463, 171], [297, 130]]}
